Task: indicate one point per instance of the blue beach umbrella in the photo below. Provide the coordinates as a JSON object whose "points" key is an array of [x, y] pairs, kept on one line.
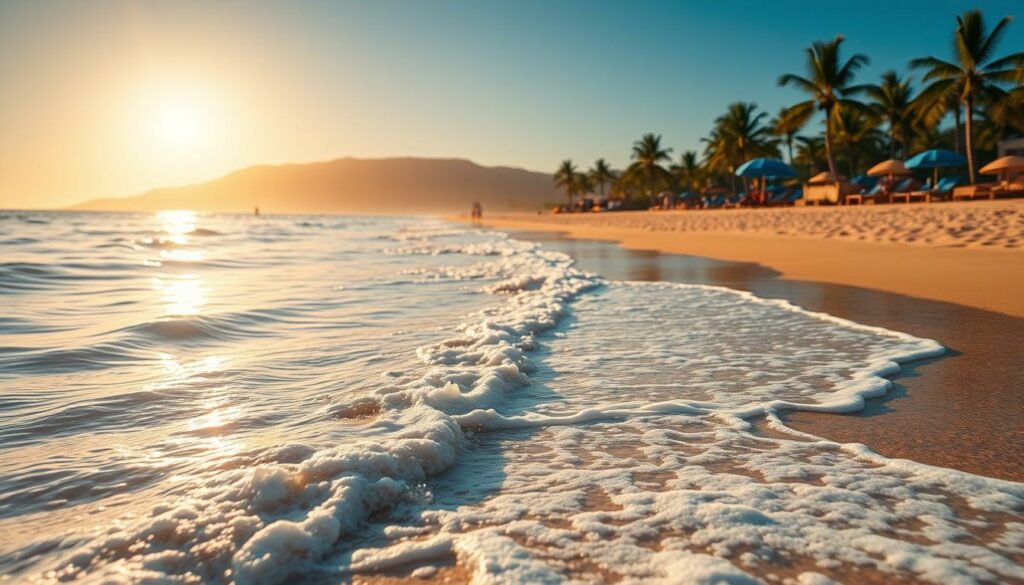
{"points": [[765, 168], [936, 158]]}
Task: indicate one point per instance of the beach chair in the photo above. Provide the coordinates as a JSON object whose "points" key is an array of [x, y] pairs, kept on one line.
{"points": [[1009, 189], [871, 194], [716, 202], [795, 196], [977, 191], [904, 190], [944, 189], [939, 191], [777, 195]]}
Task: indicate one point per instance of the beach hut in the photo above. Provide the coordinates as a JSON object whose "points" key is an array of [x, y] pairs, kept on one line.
{"points": [[826, 188], [764, 169]]}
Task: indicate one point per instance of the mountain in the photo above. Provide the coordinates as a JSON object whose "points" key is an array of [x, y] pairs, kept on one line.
{"points": [[345, 185]]}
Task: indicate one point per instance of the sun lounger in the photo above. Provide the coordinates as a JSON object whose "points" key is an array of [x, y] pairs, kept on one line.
{"points": [[778, 195], [940, 190], [795, 196], [980, 190], [735, 200], [905, 190], [988, 190], [944, 189], [1009, 189], [872, 194], [716, 202]]}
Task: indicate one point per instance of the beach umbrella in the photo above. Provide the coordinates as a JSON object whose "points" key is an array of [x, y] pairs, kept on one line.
{"points": [[1002, 165], [888, 167], [765, 168], [936, 159], [825, 177]]}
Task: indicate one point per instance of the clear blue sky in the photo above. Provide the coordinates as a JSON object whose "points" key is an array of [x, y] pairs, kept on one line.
{"points": [[524, 83]]}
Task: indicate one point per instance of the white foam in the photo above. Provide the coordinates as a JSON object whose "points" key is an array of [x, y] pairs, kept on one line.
{"points": [[643, 436]]}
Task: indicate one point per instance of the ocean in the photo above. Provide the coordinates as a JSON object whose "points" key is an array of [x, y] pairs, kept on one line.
{"points": [[226, 398]]}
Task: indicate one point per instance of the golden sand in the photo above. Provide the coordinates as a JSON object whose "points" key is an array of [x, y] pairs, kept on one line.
{"points": [[965, 253]]}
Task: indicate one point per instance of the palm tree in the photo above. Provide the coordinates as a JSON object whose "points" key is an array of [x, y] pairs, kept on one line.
{"points": [[1009, 110], [810, 152], [738, 135], [975, 76], [602, 174], [892, 101], [829, 85], [786, 126], [688, 171], [567, 179], [744, 127], [583, 184], [647, 156], [856, 132]]}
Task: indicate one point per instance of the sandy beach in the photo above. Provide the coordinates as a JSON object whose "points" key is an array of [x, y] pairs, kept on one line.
{"points": [[957, 411], [965, 253]]}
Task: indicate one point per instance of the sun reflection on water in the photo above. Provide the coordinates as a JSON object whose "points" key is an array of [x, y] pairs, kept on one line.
{"points": [[177, 222], [183, 296]]}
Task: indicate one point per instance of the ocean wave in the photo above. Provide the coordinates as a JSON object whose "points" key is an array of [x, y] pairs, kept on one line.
{"points": [[288, 516], [573, 427], [204, 232]]}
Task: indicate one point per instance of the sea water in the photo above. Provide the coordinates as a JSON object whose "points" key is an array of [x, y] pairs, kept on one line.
{"points": [[217, 398]]}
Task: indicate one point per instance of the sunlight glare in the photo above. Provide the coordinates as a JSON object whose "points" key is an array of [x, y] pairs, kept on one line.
{"points": [[177, 222], [178, 125], [183, 297]]}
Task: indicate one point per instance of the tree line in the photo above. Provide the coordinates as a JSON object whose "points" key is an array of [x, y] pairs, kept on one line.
{"points": [[981, 91]]}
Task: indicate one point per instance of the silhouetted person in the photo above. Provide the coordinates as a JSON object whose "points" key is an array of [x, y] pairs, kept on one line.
{"points": [[256, 211], [477, 212]]}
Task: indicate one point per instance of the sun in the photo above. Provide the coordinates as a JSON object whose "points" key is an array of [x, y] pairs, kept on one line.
{"points": [[178, 124]]}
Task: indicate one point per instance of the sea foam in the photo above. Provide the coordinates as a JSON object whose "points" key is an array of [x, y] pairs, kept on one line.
{"points": [[587, 430]]}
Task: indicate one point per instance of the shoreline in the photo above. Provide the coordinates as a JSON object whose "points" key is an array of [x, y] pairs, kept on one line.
{"points": [[991, 279], [956, 411]]}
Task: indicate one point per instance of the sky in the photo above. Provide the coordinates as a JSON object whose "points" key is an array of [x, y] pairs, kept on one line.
{"points": [[114, 98]]}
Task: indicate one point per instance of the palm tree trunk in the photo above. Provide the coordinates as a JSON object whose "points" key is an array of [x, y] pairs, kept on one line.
{"points": [[789, 144], [828, 145], [969, 114], [892, 140], [956, 131]]}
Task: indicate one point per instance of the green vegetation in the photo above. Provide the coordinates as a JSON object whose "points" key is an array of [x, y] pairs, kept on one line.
{"points": [[967, 104]]}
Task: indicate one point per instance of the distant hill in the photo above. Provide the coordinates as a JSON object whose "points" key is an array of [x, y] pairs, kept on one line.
{"points": [[390, 185]]}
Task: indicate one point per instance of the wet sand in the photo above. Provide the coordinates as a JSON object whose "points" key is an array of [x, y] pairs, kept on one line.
{"points": [[989, 278], [962, 410]]}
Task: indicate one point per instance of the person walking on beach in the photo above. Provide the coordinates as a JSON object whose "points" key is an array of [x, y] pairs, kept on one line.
{"points": [[478, 212]]}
